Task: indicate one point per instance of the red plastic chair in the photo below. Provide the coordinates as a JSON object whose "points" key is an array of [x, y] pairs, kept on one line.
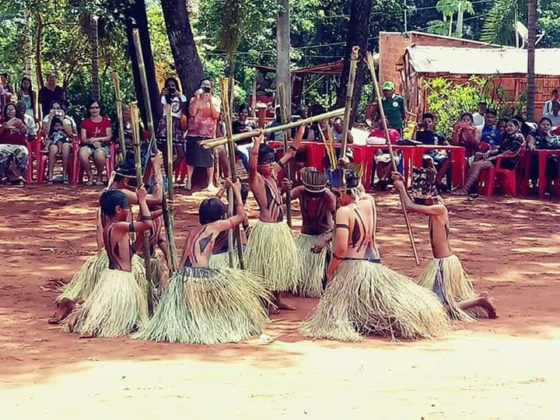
{"points": [[507, 177]]}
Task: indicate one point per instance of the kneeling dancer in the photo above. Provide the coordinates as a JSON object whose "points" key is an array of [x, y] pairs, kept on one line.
{"points": [[204, 305], [117, 305], [444, 275], [271, 249], [362, 295]]}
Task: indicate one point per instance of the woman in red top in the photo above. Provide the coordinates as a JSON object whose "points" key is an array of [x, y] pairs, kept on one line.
{"points": [[13, 146], [96, 134]]}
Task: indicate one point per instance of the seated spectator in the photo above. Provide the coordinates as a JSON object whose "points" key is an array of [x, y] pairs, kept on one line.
{"points": [[489, 131], [502, 125], [277, 136], [382, 158], [27, 95], [427, 135], [554, 114], [547, 108], [242, 125], [338, 129], [543, 139], [28, 120], [13, 147], [96, 135], [49, 93], [508, 149], [478, 117], [313, 133], [58, 111], [466, 135], [60, 143]]}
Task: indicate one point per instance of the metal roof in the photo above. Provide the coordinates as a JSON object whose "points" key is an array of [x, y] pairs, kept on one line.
{"points": [[458, 60]]}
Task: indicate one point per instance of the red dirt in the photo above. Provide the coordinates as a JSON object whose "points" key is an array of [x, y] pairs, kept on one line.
{"points": [[507, 368]]}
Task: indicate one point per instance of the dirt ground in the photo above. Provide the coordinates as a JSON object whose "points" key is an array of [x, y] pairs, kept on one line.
{"points": [[506, 368]]}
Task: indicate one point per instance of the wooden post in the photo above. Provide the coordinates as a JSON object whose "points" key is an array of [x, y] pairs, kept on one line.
{"points": [[285, 137], [371, 65], [254, 97], [170, 192], [349, 95], [231, 154], [139, 182], [118, 104]]}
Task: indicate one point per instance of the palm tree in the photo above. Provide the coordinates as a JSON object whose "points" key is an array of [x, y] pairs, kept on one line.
{"points": [[499, 25]]}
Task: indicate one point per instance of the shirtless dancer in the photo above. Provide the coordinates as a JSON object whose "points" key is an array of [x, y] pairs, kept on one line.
{"points": [[205, 305], [363, 296], [117, 305], [318, 206], [444, 275], [271, 249]]}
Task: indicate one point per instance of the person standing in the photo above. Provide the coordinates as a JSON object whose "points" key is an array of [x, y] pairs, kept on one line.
{"points": [[478, 117], [554, 114], [204, 112], [393, 105], [49, 93], [547, 108], [27, 95]]}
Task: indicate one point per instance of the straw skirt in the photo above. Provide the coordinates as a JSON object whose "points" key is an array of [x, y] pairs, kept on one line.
{"points": [[368, 298], [272, 256], [312, 267], [208, 306]]}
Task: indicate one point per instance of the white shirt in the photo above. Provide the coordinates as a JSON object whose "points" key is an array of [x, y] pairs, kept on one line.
{"points": [[554, 118], [67, 119], [478, 119], [176, 110], [30, 123], [547, 109]]}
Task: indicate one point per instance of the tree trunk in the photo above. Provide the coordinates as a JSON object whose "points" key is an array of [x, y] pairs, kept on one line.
{"points": [[136, 18], [358, 28], [460, 13], [38, 40], [532, 27], [183, 47], [283, 52], [94, 43]]}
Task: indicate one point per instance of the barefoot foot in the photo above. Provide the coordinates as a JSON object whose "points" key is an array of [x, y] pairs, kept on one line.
{"points": [[63, 309]]}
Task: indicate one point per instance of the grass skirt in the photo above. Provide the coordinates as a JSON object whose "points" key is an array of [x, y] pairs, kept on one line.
{"points": [[84, 281], [454, 288], [221, 260], [208, 306], [312, 267], [369, 298], [272, 255], [116, 307]]}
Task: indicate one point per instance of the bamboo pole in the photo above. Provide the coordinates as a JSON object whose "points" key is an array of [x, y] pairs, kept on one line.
{"points": [[254, 97], [151, 129], [349, 96], [170, 192], [211, 143], [139, 182], [285, 137], [371, 66], [224, 89], [118, 104]]}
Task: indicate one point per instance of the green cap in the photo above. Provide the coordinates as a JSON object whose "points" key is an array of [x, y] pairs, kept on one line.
{"points": [[388, 86]]}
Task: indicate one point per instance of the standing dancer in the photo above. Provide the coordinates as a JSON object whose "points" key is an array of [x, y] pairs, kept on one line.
{"points": [[271, 249], [117, 305], [204, 305], [362, 295], [318, 206], [444, 275]]}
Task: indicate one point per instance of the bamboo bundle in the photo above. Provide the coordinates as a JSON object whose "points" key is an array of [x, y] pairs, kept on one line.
{"points": [[285, 138], [170, 192], [118, 104], [349, 96]]}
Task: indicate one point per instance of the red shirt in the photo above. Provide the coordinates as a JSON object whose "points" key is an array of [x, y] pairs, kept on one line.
{"points": [[393, 134], [14, 137], [96, 129]]}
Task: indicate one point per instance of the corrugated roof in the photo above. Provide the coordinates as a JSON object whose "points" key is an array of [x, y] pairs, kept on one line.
{"points": [[456, 60]]}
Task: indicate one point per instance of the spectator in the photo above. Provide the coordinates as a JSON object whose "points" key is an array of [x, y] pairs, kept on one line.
{"points": [[96, 134], [382, 158], [313, 133], [58, 111], [508, 149], [171, 94], [489, 131], [547, 108], [338, 129], [466, 135], [49, 93], [13, 147], [204, 111], [427, 135], [128, 135], [277, 136], [5, 90], [543, 139], [393, 105], [242, 125], [60, 143], [502, 125], [28, 120], [478, 117], [554, 114], [27, 95]]}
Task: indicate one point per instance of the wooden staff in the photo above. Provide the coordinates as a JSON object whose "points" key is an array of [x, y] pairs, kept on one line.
{"points": [[220, 141], [285, 138], [231, 154], [171, 195], [349, 96], [139, 183], [151, 129], [371, 66], [118, 103]]}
